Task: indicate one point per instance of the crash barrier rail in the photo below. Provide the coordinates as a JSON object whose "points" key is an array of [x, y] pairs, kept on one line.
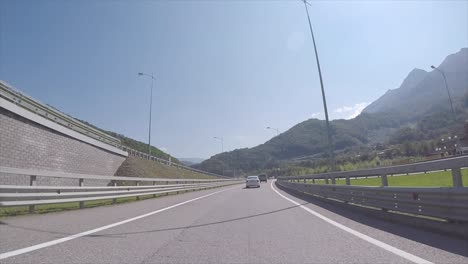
{"points": [[32, 195], [449, 203], [13, 95]]}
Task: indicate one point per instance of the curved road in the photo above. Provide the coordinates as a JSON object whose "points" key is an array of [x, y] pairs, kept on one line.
{"points": [[226, 225]]}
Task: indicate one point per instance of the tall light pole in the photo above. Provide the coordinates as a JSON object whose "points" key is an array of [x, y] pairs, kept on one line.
{"points": [[222, 143], [446, 87], [222, 149], [151, 106], [277, 134], [330, 143], [277, 130]]}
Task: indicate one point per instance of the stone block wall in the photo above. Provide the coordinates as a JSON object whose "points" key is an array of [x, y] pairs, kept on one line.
{"points": [[29, 145]]}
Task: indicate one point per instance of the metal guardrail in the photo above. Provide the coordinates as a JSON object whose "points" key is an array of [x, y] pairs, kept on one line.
{"points": [[20, 99], [44, 173], [450, 203], [454, 164], [32, 195]]}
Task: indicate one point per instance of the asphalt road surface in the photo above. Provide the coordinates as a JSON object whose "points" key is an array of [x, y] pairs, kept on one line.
{"points": [[225, 225]]}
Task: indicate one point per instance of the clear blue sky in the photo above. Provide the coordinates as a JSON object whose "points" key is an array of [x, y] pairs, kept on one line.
{"points": [[223, 68]]}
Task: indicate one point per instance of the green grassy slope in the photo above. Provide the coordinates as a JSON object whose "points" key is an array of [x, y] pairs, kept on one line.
{"points": [[137, 167], [433, 179]]}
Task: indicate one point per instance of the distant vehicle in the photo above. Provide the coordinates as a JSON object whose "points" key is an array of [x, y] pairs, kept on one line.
{"points": [[262, 177], [252, 181]]}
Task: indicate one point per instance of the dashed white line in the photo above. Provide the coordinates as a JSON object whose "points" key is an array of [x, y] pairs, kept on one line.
{"points": [[367, 238], [68, 238]]}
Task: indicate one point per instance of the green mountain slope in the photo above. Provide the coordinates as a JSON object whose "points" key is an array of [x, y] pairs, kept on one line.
{"points": [[418, 111]]}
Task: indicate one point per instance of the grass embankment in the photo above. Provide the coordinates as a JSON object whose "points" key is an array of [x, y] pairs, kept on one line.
{"points": [[432, 179], [137, 167], [48, 208]]}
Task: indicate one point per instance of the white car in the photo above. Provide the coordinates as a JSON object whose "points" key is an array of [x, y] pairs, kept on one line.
{"points": [[252, 181]]}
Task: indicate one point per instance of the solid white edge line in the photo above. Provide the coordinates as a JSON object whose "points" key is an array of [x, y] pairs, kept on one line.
{"points": [[367, 238], [85, 233]]}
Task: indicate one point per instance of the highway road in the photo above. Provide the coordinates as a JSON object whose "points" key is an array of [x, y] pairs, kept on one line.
{"points": [[225, 225]]}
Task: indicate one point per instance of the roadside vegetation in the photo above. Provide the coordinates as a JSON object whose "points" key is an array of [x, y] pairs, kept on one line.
{"points": [[135, 144], [432, 179], [138, 167], [49, 208]]}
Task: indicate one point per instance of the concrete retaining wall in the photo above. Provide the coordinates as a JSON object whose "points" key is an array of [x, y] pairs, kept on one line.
{"points": [[34, 145]]}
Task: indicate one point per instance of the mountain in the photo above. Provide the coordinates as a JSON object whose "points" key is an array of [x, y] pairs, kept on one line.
{"points": [[306, 139], [190, 161], [392, 97], [420, 103], [421, 92]]}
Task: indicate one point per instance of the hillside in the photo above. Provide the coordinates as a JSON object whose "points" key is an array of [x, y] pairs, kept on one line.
{"points": [[137, 167], [135, 144], [422, 92], [419, 104], [306, 140]]}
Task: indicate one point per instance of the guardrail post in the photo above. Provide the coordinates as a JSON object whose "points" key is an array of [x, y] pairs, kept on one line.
{"points": [[348, 181], [313, 181], [384, 180], [32, 182], [114, 183], [304, 180], [457, 178], [333, 180], [326, 180], [81, 184], [137, 183]]}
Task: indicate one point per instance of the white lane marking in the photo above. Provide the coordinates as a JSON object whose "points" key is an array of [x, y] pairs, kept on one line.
{"points": [[367, 238], [64, 239]]}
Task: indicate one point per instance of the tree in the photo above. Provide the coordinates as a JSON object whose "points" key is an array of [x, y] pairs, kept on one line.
{"points": [[408, 149]]}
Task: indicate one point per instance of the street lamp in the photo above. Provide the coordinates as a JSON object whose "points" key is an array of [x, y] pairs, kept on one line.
{"points": [[446, 87], [330, 143], [151, 106], [277, 130], [277, 134], [222, 143]]}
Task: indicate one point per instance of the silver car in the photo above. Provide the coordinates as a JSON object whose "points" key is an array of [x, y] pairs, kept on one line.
{"points": [[252, 181]]}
